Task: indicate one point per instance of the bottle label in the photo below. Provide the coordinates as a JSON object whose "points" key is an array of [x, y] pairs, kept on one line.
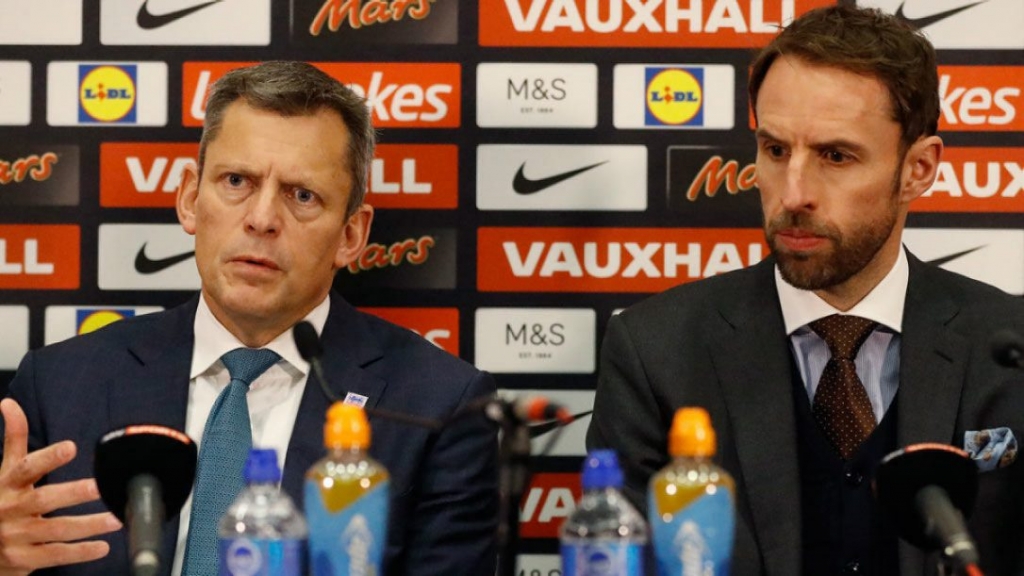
{"points": [[697, 540], [349, 542], [603, 559], [262, 557]]}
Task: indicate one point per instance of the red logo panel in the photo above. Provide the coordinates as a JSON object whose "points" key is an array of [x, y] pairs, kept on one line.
{"points": [[40, 256]]}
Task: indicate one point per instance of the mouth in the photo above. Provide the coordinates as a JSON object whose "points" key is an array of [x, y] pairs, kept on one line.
{"points": [[798, 240], [255, 262]]}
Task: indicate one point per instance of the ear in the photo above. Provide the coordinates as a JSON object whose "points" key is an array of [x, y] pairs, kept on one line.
{"points": [[188, 193], [354, 236], [920, 166]]}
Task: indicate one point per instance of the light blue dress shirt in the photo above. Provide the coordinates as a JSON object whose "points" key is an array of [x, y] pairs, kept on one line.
{"points": [[877, 361]]}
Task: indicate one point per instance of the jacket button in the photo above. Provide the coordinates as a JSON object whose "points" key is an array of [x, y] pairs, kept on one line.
{"points": [[852, 568], [853, 478]]}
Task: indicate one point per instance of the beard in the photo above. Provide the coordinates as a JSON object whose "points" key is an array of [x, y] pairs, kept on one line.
{"points": [[850, 252]]}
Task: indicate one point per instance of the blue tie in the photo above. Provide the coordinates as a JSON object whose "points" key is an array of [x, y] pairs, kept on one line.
{"points": [[226, 443]]}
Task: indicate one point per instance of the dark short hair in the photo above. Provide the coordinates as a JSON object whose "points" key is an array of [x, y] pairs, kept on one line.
{"points": [[293, 88], [869, 42]]}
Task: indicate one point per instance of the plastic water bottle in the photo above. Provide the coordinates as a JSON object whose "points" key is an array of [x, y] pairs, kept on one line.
{"points": [[605, 534], [346, 499], [691, 502], [263, 532]]}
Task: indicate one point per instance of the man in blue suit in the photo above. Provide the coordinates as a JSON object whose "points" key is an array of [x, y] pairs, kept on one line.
{"points": [[276, 206]]}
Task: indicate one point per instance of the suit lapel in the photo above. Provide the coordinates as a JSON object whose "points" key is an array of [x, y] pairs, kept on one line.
{"points": [[153, 388], [933, 361], [752, 359], [349, 346]]}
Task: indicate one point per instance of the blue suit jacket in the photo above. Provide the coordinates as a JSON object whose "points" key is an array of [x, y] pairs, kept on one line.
{"points": [[443, 485]]}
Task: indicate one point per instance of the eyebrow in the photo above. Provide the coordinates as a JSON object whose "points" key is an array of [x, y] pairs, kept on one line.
{"points": [[841, 143]]}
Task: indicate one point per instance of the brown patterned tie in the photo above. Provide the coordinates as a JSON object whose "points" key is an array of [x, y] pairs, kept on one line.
{"points": [[841, 405]]}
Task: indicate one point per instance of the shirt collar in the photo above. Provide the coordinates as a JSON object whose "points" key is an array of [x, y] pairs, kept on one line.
{"points": [[883, 304], [213, 340]]}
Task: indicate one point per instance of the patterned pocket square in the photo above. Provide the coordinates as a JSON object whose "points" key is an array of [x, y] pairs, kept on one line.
{"points": [[992, 448]]}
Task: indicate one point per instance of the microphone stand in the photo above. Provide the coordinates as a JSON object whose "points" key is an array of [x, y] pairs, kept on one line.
{"points": [[514, 471]]}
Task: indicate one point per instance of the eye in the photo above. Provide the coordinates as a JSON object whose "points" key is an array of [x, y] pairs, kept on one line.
{"points": [[235, 180], [303, 196], [775, 151], [836, 157]]}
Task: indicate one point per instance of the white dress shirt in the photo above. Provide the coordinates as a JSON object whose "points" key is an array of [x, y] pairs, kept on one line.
{"points": [[878, 360], [273, 398]]}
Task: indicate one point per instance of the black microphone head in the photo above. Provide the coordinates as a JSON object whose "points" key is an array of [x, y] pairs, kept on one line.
{"points": [[1007, 348], [307, 341], [169, 455], [904, 472]]}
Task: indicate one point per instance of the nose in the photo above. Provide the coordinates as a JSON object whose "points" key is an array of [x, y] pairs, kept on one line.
{"points": [[799, 192], [263, 211]]}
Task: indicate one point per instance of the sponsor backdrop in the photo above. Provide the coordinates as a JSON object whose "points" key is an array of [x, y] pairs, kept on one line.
{"points": [[544, 164]]}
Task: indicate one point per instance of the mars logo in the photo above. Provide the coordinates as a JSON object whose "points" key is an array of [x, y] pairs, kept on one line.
{"points": [[38, 167], [107, 93], [674, 96], [415, 251], [419, 258], [714, 185], [360, 13]]}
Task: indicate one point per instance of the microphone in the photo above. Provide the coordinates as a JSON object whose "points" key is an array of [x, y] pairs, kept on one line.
{"points": [[1008, 348], [927, 490], [523, 410], [308, 343], [145, 473]]}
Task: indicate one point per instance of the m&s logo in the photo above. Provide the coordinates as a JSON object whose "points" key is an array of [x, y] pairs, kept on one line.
{"points": [[107, 93], [675, 96]]}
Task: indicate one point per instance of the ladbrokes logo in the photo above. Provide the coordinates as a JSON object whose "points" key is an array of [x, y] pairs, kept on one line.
{"points": [[976, 180], [439, 326], [414, 176], [981, 98], [677, 96], [549, 500], [38, 175], [142, 174], [638, 23], [40, 257], [375, 21], [421, 258], [107, 93], [398, 95], [63, 322], [714, 184], [609, 259]]}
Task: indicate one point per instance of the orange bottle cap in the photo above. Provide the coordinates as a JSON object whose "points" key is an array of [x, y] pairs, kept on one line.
{"points": [[346, 427], [691, 434]]}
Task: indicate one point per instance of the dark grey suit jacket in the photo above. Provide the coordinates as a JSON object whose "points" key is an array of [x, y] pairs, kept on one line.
{"points": [[443, 485], [721, 344]]}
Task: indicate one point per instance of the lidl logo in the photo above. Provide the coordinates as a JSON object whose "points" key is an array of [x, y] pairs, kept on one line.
{"points": [[675, 97], [106, 93], [90, 320]]}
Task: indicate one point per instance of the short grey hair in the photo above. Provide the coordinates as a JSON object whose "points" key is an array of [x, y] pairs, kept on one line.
{"points": [[293, 88]]}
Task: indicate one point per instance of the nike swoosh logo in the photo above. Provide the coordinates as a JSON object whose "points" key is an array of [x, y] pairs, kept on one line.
{"points": [[523, 185], [143, 264], [149, 21], [537, 430], [951, 257], [929, 20]]}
